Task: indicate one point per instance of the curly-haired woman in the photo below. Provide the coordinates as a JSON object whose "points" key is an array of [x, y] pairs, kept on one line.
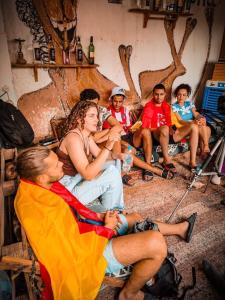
{"points": [[87, 175], [185, 112]]}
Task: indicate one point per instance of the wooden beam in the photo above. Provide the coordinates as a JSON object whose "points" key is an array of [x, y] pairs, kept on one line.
{"points": [[18, 264]]}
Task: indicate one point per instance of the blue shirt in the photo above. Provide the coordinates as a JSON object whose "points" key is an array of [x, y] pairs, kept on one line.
{"points": [[184, 111]]}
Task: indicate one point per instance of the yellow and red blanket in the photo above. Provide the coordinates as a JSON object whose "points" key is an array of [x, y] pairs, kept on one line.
{"points": [[70, 251]]}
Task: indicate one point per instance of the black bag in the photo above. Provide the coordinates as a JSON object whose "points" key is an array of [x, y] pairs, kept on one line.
{"points": [[15, 131], [167, 280]]}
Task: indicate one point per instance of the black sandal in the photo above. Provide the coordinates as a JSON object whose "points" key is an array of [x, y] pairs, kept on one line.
{"points": [[167, 174], [170, 167], [191, 220], [147, 175], [126, 179]]}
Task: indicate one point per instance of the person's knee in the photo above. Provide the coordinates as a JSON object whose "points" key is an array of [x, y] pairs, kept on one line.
{"points": [[145, 133], [194, 128], [164, 131], [208, 130], [156, 245], [134, 217]]}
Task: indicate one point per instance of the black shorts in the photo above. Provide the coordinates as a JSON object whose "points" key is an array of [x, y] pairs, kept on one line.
{"points": [[156, 143], [128, 138]]}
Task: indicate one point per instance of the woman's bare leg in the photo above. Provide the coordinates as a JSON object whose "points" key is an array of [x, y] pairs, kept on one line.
{"points": [[161, 134], [193, 133], [179, 229], [145, 166], [143, 136], [204, 135]]}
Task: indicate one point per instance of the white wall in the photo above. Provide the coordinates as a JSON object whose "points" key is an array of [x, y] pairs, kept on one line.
{"points": [[112, 25], [23, 78], [6, 73]]}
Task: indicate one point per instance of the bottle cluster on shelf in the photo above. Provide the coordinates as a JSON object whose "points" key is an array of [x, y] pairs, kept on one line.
{"points": [[67, 53], [79, 51], [179, 6]]}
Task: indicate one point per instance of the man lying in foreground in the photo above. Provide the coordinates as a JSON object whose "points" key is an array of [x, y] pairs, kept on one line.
{"points": [[75, 245]]}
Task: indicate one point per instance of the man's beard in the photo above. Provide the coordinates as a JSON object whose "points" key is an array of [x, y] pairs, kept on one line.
{"points": [[53, 179]]}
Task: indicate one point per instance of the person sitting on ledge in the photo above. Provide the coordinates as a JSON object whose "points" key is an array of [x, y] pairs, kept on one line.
{"points": [[140, 138], [187, 114], [76, 246], [157, 117], [100, 136], [87, 175]]}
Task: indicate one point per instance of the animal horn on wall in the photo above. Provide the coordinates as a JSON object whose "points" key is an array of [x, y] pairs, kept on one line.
{"points": [[209, 14], [125, 54]]}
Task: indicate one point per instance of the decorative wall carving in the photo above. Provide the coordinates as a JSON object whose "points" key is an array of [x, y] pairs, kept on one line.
{"points": [[56, 99]]}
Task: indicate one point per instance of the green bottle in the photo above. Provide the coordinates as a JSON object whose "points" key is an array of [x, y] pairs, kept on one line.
{"points": [[187, 6], [91, 52]]}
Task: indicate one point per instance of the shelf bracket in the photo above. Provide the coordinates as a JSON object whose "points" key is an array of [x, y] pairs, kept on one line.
{"points": [[146, 18], [35, 74]]}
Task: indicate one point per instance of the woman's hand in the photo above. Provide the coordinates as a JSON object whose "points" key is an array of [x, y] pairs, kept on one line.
{"points": [[200, 120], [113, 136]]}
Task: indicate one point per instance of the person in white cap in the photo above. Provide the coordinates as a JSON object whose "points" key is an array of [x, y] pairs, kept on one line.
{"points": [[140, 138]]}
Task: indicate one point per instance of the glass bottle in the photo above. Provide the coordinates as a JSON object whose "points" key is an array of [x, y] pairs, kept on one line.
{"points": [[187, 6], [157, 5], [91, 52], [180, 4], [79, 52], [51, 50], [37, 52], [128, 160], [66, 50]]}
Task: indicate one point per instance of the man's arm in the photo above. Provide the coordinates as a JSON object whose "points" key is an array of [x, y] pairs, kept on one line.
{"points": [[113, 122]]}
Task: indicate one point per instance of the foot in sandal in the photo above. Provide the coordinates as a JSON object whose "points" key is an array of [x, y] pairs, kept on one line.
{"points": [[128, 180], [147, 175]]}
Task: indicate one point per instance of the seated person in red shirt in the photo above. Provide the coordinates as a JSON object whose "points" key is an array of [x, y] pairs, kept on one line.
{"points": [[157, 117], [139, 138]]}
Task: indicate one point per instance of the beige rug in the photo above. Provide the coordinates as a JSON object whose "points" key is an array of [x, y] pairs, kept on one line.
{"points": [[157, 200]]}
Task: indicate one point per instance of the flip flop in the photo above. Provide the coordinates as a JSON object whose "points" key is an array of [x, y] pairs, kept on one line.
{"points": [[195, 169], [127, 180], [191, 220], [147, 175], [170, 167], [167, 174]]}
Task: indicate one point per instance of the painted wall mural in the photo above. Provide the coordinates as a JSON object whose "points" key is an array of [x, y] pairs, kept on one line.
{"points": [[59, 19]]}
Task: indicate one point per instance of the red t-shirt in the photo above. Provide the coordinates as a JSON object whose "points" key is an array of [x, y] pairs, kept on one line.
{"points": [[156, 116], [159, 117]]}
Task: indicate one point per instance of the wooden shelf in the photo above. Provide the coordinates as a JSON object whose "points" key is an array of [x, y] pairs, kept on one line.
{"points": [[158, 15], [35, 67]]}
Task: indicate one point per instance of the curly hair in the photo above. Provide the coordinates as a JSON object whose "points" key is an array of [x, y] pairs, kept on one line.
{"points": [[79, 111], [183, 86]]}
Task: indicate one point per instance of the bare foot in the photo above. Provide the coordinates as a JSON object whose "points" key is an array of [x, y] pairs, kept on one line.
{"points": [[127, 296], [205, 151], [183, 229]]}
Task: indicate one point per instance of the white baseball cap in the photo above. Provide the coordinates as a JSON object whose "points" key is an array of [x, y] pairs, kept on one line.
{"points": [[117, 90]]}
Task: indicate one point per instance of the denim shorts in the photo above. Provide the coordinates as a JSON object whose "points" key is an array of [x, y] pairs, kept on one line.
{"points": [[114, 266]]}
